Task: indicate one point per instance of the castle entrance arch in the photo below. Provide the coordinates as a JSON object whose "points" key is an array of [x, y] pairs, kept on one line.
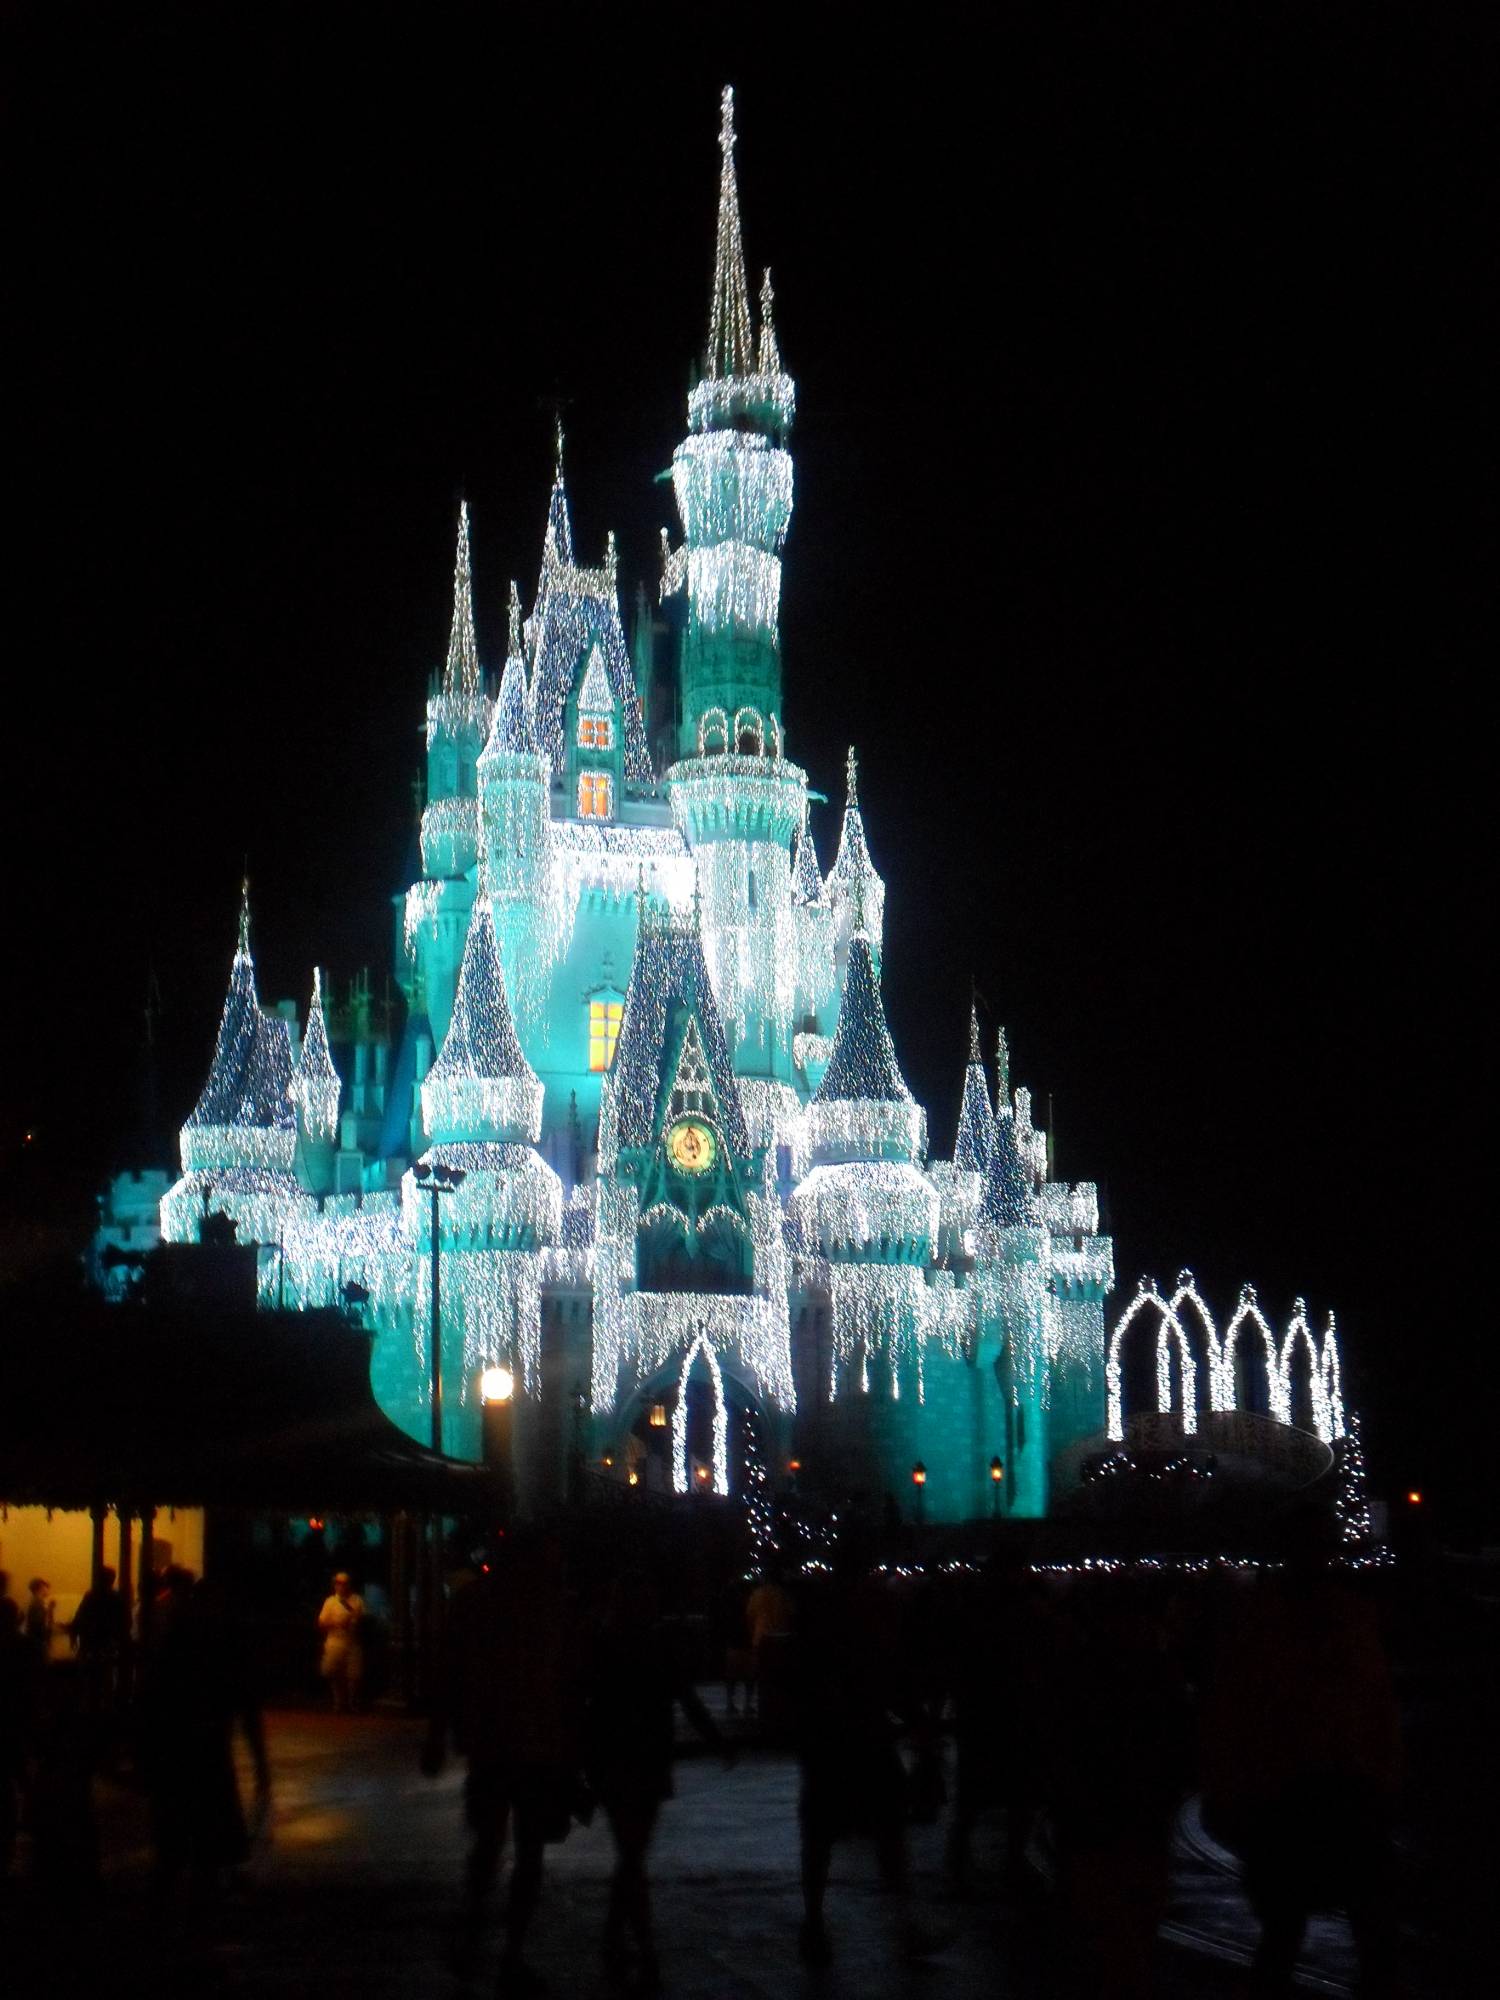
{"points": [[686, 1426]]}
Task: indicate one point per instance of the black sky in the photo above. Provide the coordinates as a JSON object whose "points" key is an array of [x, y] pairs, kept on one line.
{"points": [[1136, 538]]}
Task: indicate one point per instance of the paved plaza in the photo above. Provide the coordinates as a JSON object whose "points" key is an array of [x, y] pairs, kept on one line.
{"points": [[354, 1893]]}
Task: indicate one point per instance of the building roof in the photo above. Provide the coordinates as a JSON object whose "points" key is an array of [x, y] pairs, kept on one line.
{"points": [[975, 1143], [862, 1066], [669, 984], [251, 1069]]}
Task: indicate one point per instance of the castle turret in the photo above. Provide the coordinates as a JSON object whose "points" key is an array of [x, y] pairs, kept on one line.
{"points": [[244, 1116], [975, 1144], [458, 723], [855, 891], [732, 477], [514, 782], [481, 1088], [315, 1090]]}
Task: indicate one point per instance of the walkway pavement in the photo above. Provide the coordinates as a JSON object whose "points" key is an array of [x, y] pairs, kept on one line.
{"points": [[354, 1894]]}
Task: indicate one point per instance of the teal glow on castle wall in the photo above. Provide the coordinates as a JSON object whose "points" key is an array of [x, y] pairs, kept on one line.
{"points": [[645, 1034]]}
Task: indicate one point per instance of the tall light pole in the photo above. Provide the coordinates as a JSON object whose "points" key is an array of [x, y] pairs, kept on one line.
{"points": [[435, 1179], [997, 1474]]}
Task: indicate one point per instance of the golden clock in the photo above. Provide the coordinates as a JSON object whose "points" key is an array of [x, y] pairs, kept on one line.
{"points": [[691, 1146]]}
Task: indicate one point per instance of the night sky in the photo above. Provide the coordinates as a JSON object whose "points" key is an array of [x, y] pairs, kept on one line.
{"points": [[1139, 482]]}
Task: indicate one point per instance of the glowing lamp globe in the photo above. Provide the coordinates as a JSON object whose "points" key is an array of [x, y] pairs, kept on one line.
{"points": [[496, 1385]]}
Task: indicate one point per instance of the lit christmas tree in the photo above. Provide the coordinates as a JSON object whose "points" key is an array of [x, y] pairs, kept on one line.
{"points": [[1351, 1507], [760, 1509]]}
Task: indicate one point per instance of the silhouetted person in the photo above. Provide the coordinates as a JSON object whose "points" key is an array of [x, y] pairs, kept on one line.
{"points": [[1116, 1734], [510, 1698], [341, 1621], [196, 1686], [98, 1632], [19, 1680], [995, 1674], [1302, 1758], [38, 1617], [849, 1687], [636, 1678]]}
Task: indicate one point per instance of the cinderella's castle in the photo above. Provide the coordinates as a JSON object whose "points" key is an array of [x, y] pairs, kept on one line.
{"points": [[645, 1130]]}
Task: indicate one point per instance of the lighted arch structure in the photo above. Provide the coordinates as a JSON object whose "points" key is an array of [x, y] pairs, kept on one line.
{"points": [[1248, 1313], [1168, 1327], [1300, 1335], [1298, 1345], [699, 1345]]}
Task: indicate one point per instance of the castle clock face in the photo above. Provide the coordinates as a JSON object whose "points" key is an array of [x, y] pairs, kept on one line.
{"points": [[691, 1146]]}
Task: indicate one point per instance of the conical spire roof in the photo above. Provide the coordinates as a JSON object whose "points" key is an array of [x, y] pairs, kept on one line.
{"points": [[315, 1081], [862, 1067], [243, 1114], [975, 1145], [731, 344], [1006, 1199], [807, 877], [768, 355], [461, 676], [852, 878], [481, 1087], [557, 542], [513, 729], [481, 1041]]}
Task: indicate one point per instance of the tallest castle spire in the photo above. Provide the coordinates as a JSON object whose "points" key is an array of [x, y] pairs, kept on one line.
{"points": [[731, 343]]}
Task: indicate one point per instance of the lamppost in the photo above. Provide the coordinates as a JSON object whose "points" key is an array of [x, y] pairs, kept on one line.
{"points": [[997, 1474], [919, 1480], [497, 1401], [435, 1179]]}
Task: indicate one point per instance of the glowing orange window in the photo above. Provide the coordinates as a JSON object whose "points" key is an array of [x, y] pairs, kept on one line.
{"points": [[595, 795], [604, 1031], [596, 732]]}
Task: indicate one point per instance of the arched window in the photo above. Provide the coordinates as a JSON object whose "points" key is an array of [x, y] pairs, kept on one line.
{"points": [[596, 798], [713, 732], [596, 732], [750, 732]]}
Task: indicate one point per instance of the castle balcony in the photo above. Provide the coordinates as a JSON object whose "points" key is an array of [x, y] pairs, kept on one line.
{"points": [[727, 796]]}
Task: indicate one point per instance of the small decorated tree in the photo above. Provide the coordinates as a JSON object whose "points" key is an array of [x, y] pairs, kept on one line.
{"points": [[1351, 1504]]}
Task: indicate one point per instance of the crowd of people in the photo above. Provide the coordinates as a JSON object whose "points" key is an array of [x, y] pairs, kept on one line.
{"points": [[1080, 1714]]}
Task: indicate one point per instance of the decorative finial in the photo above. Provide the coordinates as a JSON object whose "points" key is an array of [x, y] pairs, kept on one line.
{"points": [[851, 782], [513, 641], [768, 359], [243, 948], [726, 121], [975, 1055], [557, 461], [1002, 1069], [611, 555]]}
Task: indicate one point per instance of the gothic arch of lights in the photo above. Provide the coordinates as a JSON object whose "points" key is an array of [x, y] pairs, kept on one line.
{"points": [[1169, 1318], [700, 1345]]}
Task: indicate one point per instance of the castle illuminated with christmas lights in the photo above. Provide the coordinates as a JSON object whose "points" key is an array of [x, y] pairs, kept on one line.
{"points": [[644, 1124]]}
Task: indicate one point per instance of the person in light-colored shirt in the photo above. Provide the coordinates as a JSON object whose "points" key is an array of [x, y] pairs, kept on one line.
{"points": [[343, 1662]]}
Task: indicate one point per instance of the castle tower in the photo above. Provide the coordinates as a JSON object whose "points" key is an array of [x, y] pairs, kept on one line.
{"points": [[315, 1090], [514, 782], [737, 800], [975, 1144], [482, 1111], [459, 714], [855, 892], [1012, 1280]]}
